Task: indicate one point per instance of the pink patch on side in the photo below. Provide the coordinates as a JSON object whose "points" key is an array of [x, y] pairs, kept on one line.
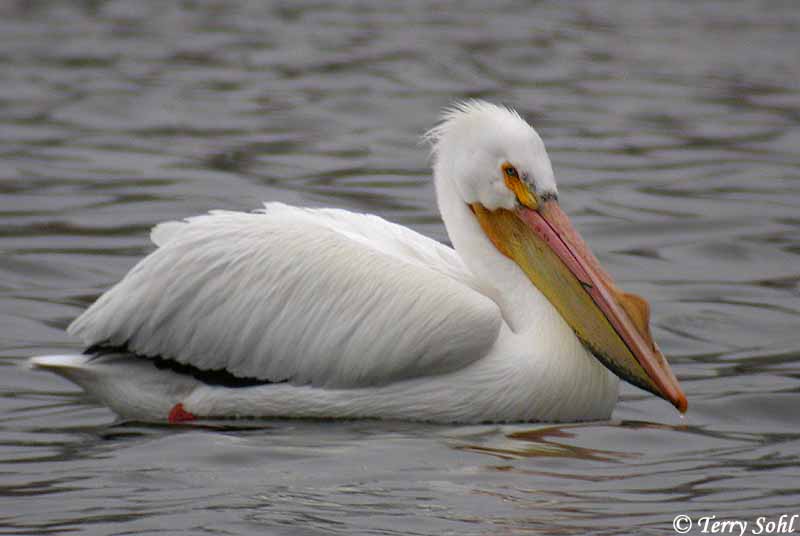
{"points": [[178, 415]]}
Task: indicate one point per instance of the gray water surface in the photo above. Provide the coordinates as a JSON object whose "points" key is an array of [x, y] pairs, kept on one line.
{"points": [[673, 131]]}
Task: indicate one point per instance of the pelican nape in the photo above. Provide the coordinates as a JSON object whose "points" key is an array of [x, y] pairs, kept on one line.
{"points": [[298, 312]]}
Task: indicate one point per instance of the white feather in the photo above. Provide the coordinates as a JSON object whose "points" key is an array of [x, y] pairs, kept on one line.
{"points": [[307, 296]]}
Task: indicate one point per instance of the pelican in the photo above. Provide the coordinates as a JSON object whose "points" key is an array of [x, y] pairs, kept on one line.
{"points": [[325, 313]]}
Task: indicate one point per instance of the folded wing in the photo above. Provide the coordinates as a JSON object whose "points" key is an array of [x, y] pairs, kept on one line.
{"points": [[322, 297]]}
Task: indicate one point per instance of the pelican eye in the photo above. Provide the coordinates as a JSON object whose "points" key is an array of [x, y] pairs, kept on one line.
{"points": [[518, 186]]}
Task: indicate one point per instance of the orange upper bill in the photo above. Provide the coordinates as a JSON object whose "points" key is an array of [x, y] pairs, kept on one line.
{"points": [[614, 325]]}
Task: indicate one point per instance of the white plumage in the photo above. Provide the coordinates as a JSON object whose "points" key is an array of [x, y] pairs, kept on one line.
{"points": [[299, 295], [356, 316]]}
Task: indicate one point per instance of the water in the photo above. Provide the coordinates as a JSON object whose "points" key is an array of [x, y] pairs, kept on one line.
{"points": [[673, 129]]}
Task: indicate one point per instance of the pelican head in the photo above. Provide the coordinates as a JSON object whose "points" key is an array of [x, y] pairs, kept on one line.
{"points": [[498, 166]]}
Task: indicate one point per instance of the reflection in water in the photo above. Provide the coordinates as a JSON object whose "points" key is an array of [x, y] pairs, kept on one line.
{"points": [[544, 442], [672, 128]]}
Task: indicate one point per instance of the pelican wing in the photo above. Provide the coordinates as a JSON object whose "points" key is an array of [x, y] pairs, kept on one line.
{"points": [[323, 297]]}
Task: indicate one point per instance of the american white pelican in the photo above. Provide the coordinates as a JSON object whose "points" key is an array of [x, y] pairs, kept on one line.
{"points": [[297, 312]]}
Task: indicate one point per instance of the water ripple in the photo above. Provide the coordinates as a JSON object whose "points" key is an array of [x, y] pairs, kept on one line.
{"points": [[673, 130]]}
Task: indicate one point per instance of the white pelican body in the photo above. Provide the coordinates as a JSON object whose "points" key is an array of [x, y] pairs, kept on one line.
{"points": [[297, 312]]}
